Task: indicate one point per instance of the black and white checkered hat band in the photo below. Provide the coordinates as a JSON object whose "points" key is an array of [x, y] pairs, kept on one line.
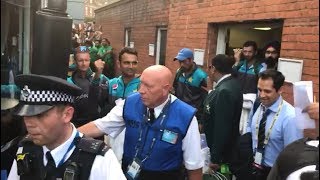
{"points": [[45, 96]]}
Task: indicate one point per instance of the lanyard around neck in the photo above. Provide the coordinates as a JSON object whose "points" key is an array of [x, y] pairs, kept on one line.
{"points": [[266, 139], [69, 149], [139, 146]]}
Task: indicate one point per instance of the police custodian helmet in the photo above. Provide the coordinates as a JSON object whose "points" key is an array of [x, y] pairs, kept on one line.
{"points": [[40, 93], [10, 95]]}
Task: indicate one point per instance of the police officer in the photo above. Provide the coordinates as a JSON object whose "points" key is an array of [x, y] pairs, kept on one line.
{"points": [[12, 127], [161, 130], [54, 148]]}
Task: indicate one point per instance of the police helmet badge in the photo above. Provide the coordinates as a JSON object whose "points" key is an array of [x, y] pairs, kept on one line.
{"points": [[25, 93]]}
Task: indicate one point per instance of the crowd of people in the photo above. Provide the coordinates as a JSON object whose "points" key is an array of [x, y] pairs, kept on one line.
{"points": [[89, 35], [153, 121]]}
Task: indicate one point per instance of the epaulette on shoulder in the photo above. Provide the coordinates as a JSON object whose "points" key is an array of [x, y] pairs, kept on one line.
{"points": [[26, 141], [91, 145]]}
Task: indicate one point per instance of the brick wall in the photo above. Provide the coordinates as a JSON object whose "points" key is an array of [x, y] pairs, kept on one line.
{"points": [[188, 26], [142, 16]]}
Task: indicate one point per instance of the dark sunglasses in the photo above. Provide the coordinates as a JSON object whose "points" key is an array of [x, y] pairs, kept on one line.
{"points": [[82, 49]]}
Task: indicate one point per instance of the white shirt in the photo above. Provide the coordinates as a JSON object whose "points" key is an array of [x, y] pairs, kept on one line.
{"points": [[223, 77], [104, 167], [113, 123]]}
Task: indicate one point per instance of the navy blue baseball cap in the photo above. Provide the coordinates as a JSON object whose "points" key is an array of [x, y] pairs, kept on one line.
{"points": [[10, 95], [183, 54], [40, 93]]}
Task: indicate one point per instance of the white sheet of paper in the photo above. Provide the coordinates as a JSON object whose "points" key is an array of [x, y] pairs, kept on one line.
{"points": [[303, 97]]}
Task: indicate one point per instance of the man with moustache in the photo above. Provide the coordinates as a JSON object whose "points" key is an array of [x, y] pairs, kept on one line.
{"points": [[271, 55], [248, 67], [190, 81]]}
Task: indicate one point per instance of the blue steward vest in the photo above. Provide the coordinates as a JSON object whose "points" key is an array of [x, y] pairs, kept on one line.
{"points": [[163, 156]]}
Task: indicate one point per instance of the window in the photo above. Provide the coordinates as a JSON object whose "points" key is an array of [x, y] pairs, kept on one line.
{"points": [[127, 37]]}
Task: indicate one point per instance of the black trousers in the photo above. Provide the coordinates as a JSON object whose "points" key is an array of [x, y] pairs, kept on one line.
{"points": [[158, 175], [254, 174]]}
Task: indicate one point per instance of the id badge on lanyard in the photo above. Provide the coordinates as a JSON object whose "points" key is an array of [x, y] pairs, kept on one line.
{"points": [[134, 169], [258, 157]]}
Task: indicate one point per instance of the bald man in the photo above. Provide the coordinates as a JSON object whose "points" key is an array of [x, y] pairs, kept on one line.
{"points": [[161, 134]]}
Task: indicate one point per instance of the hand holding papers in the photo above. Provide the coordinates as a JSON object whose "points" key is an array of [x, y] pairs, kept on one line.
{"points": [[303, 93]]}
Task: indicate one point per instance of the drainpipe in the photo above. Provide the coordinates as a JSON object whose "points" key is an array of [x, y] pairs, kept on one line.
{"points": [[52, 39]]}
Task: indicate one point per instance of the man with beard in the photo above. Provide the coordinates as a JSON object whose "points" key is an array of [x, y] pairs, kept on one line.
{"points": [[121, 87], [248, 67], [190, 82], [271, 54]]}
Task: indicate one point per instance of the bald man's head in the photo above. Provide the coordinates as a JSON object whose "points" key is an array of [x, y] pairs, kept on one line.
{"points": [[156, 83], [160, 73]]}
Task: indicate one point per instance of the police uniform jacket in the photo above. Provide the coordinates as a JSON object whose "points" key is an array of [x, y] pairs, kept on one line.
{"points": [[104, 167]]}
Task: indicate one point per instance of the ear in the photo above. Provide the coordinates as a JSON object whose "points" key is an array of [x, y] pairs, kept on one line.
{"points": [[280, 90], [118, 64], [166, 88], [67, 113]]}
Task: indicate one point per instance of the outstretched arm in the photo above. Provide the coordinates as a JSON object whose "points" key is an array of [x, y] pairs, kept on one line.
{"points": [[91, 130]]}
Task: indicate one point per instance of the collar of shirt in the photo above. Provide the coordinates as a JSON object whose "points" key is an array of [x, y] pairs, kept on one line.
{"points": [[61, 150], [223, 77], [158, 109]]}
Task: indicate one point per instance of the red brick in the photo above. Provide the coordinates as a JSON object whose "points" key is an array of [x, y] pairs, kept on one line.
{"points": [[188, 21], [300, 46], [311, 63], [310, 71], [298, 54]]}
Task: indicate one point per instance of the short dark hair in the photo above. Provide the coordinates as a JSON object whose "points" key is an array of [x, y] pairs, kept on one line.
{"points": [[127, 50], [251, 43], [106, 40], [276, 76], [88, 42], [223, 63]]}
